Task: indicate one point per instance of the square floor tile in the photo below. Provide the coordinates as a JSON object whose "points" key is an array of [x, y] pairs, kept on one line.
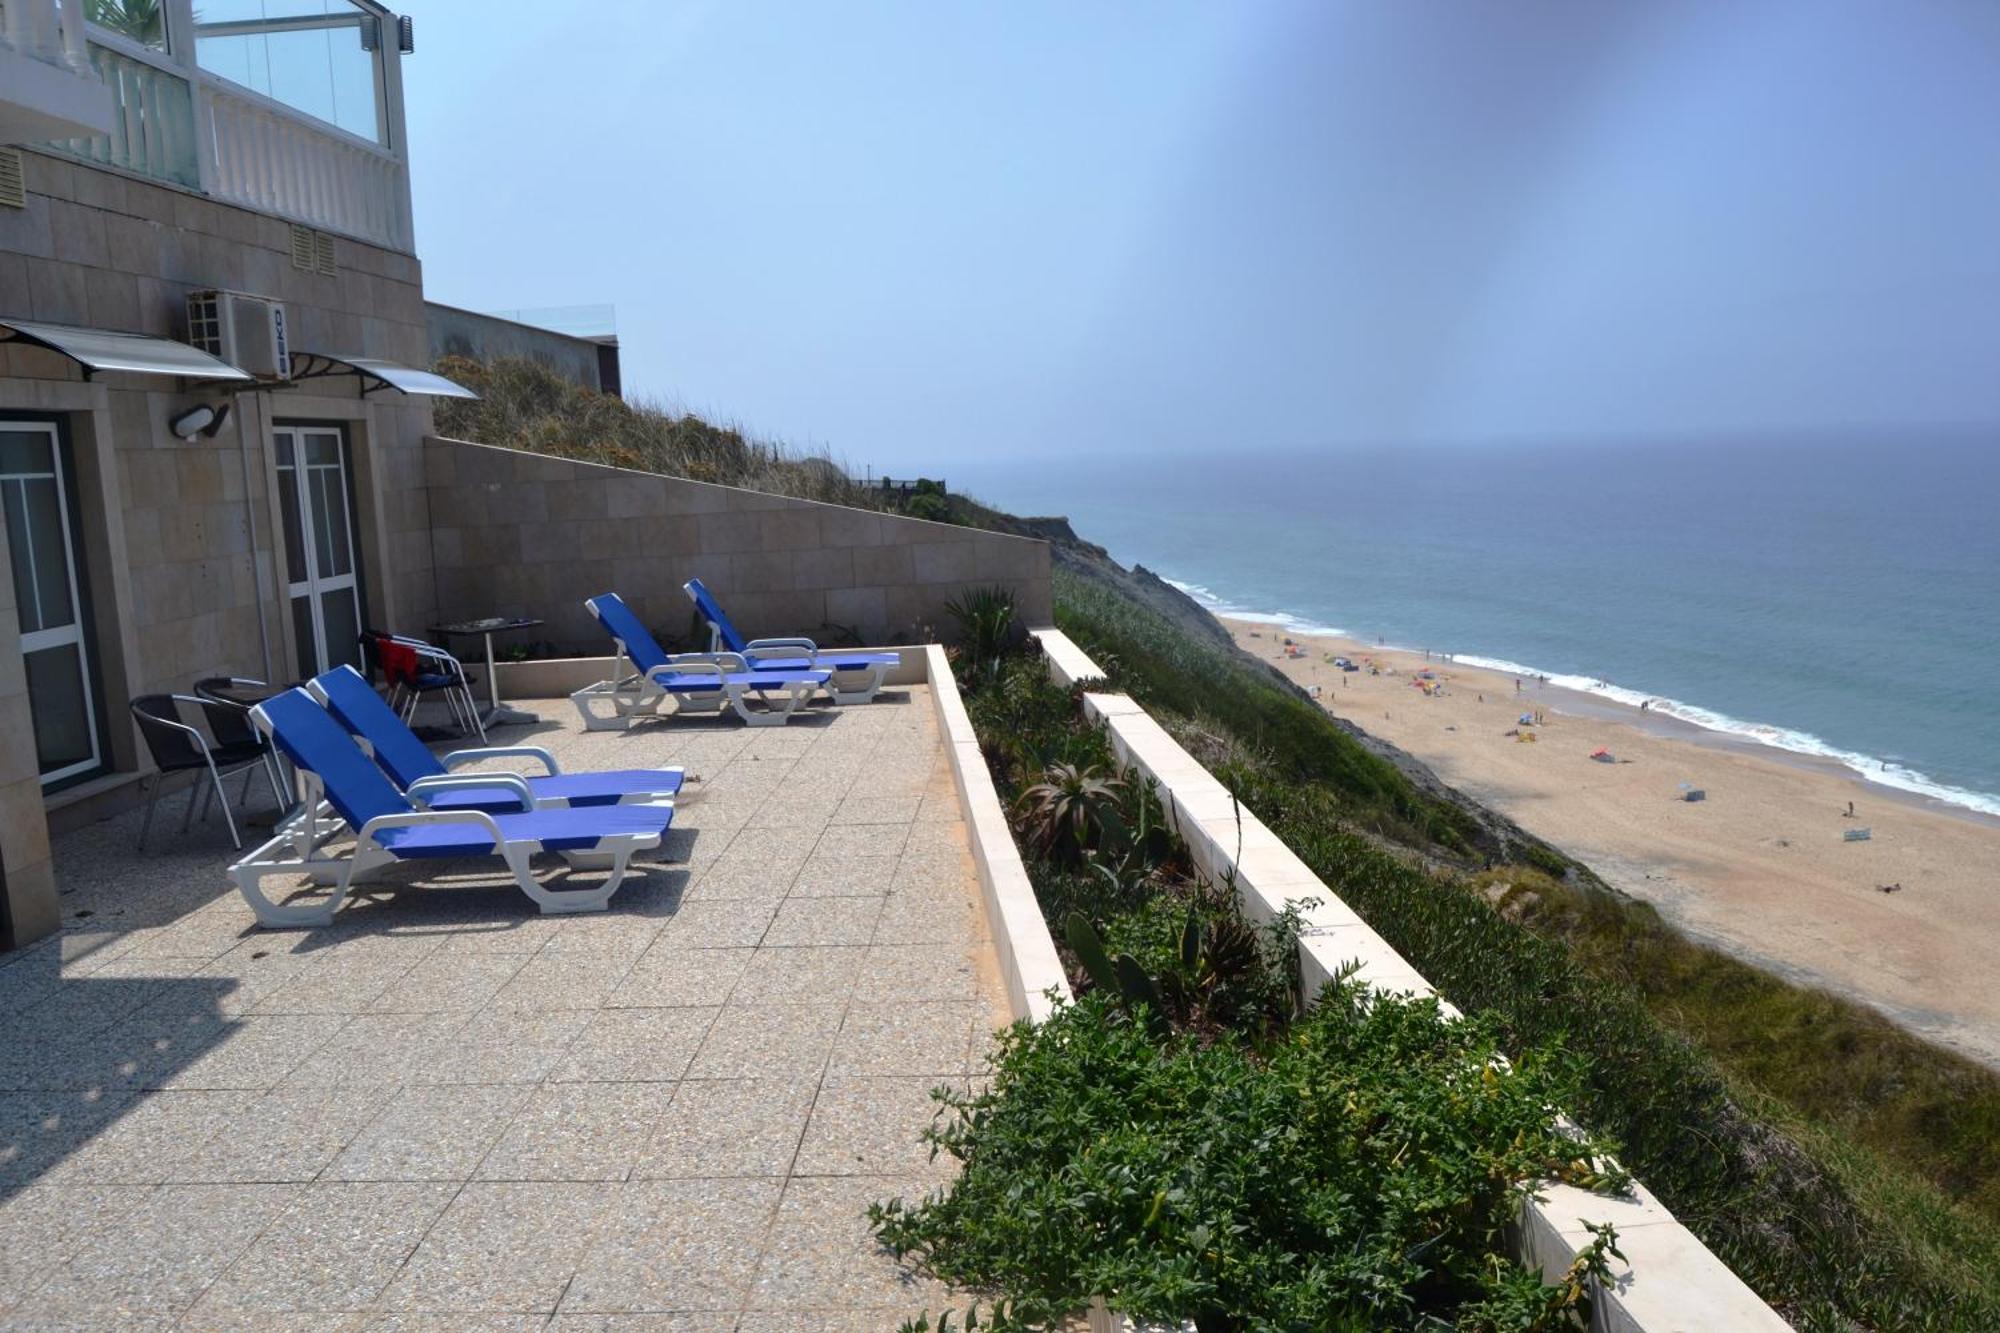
{"points": [[845, 876], [287, 1134], [912, 919], [805, 921], [448, 981], [160, 1257], [731, 923], [635, 1045], [728, 1127], [679, 1245], [665, 977], [152, 1136], [805, 975], [578, 1131], [505, 1047], [430, 1133], [254, 1051], [905, 1039], [335, 1248], [505, 1246], [914, 973], [823, 1254], [875, 1126], [40, 1228], [379, 1050], [767, 1041], [842, 840]]}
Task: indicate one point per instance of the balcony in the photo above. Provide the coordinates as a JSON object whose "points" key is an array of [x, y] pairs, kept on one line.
{"points": [[47, 86], [299, 117]]}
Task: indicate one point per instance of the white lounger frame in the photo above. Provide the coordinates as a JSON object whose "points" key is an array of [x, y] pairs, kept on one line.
{"points": [[419, 791], [296, 848], [856, 685], [639, 694]]}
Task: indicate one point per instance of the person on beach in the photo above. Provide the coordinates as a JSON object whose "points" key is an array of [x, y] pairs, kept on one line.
{"points": [[1517, 684]]}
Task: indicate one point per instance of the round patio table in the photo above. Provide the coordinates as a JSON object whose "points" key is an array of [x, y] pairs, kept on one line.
{"points": [[496, 712]]}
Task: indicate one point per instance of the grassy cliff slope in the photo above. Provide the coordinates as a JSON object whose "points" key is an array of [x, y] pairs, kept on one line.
{"points": [[1848, 1170]]}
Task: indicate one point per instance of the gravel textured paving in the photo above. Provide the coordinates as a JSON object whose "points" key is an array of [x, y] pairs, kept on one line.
{"points": [[447, 1111]]}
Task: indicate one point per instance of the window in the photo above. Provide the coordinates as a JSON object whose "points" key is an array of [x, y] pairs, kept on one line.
{"points": [[36, 490], [322, 566], [321, 57]]}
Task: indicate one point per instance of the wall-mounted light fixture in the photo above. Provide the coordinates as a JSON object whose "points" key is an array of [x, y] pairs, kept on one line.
{"points": [[202, 419]]}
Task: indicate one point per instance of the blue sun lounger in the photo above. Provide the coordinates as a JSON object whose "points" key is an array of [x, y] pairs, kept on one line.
{"points": [[696, 682], [429, 781], [856, 676], [389, 828]]}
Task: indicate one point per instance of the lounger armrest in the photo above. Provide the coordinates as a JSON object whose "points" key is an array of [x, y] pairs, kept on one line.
{"points": [[407, 819], [759, 645], [717, 664], [536, 752], [513, 782]]}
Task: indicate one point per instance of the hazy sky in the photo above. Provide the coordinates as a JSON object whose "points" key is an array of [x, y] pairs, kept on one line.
{"points": [[931, 231]]}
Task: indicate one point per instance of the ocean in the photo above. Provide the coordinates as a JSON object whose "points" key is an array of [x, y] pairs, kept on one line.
{"points": [[1832, 597]]}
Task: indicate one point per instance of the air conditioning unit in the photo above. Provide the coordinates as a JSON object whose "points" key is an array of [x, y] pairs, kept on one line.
{"points": [[246, 331]]}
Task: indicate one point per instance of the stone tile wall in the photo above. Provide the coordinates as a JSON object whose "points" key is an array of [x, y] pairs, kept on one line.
{"points": [[518, 533]]}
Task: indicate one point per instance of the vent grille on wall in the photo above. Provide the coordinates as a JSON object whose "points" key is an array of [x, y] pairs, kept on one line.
{"points": [[13, 179], [312, 251]]}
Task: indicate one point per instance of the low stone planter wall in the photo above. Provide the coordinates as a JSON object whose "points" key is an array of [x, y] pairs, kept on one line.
{"points": [[1028, 961], [1668, 1281]]}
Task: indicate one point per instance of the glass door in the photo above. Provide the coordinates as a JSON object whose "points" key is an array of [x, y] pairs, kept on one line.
{"points": [[35, 489], [321, 555]]}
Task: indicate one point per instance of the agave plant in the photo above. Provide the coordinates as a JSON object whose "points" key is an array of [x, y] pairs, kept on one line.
{"points": [[986, 626], [1066, 813]]}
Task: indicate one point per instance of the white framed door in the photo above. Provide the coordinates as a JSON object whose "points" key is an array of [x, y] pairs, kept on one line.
{"points": [[36, 485], [322, 557]]}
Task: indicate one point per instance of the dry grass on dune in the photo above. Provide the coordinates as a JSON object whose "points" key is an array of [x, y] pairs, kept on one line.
{"points": [[525, 405]]}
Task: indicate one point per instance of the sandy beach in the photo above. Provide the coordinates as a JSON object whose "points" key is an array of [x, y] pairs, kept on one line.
{"points": [[1759, 866]]}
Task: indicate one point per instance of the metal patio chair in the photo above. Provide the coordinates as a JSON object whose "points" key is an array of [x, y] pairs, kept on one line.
{"points": [[177, 747]]}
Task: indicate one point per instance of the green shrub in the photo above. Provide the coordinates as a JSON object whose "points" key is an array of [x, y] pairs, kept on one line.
{"points": [[1356, 1174]]}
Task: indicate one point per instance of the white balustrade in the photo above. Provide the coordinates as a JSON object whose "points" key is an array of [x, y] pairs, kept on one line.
{"points": [[273, 160], [46, 31]]}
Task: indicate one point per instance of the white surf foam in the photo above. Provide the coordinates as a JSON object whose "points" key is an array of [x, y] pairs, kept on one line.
{"points": [[1886, 772]]}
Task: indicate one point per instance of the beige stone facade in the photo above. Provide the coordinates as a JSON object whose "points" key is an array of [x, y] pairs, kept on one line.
{"points": [[178, 540], [180, 543]]}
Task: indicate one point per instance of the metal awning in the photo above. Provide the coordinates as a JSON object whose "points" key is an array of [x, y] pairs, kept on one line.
{"points": [[106, 349], [376, 374]]}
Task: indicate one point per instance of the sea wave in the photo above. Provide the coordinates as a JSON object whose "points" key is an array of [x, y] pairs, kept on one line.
{"points": [[1885, 772]]}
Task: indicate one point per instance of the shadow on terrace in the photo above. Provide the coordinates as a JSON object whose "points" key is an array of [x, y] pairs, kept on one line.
{"points": [[447, 1102]]}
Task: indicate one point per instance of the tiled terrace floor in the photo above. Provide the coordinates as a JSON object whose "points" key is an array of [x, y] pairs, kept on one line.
{"points": [[446, 1111]]}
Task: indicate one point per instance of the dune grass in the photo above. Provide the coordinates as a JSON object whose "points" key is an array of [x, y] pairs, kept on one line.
{"points": [[525, 405]]}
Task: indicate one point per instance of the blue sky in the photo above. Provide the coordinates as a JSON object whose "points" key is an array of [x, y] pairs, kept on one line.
{"points": [[927, 232]]}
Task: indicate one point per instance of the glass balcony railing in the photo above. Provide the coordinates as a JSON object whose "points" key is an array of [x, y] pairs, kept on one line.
{"points": [[278, 105], [152, 129]]}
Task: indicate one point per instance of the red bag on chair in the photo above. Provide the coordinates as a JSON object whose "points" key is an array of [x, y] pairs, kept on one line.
{"points": [[399, 662]]}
